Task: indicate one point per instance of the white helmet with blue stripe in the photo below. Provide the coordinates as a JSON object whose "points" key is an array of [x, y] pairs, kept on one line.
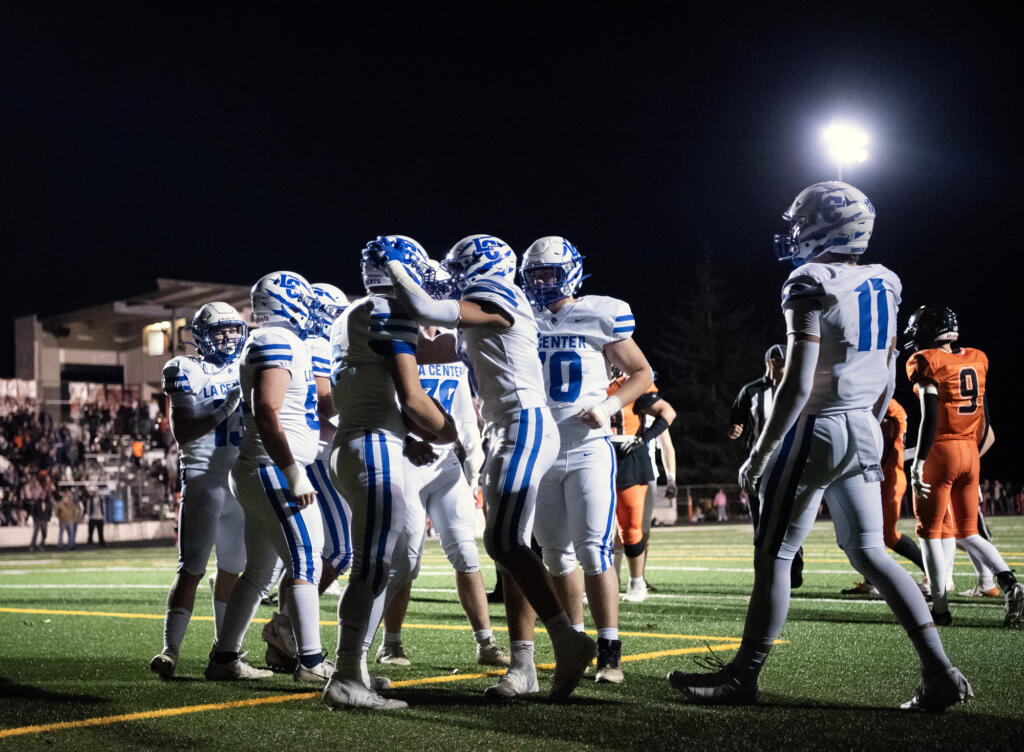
{"points": [[479, 256], [283, 298], [211, 320], [552, 269], [826, 217], [414, 259], [330, 302]]}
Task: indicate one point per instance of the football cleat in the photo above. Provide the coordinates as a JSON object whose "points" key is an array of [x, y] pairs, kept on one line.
{"points": [[1014, 608], [861, 588], [942, 619], [392, 654], [514, 682], [826, 217], [940, 692], [980, 592], [163, 664], [609, 653], [573, 655], [321, 672], [491, 653], [636, 594], [278, 661], [720, 687], [278, 633], [234, 670], [350, 694]]}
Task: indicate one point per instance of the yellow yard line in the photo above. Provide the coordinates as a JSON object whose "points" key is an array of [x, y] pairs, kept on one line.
{"points": [[277, 699], [436, 627]]}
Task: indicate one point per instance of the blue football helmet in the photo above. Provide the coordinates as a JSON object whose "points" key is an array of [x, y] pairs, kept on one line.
{"points": [[439, 286], [401, 247], [330, 302], [552, 269], [283, 298], [826, 217], [212, 320], [479, 256]]}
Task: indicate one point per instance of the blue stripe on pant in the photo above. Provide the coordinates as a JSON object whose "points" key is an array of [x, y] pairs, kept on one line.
{"points": [[777, 505], [524, 488], [510, 476], [335, 516], [295, 533], [607, 544]]}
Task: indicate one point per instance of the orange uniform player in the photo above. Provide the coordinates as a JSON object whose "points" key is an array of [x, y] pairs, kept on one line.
{"points": [[950, 382], [634, 473]]}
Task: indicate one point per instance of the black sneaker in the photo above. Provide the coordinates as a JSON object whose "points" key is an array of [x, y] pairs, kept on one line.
{"points": [[609, 653]]}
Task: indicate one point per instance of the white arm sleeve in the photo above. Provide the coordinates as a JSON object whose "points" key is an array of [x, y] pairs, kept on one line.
{"points": [[797, 381], [422, 307]]}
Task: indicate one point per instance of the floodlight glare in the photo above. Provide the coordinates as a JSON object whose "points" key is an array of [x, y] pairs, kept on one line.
{"points": [[846, 144]]}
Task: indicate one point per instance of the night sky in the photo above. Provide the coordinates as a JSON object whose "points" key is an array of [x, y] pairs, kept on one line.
{"points": [[220, 144]]}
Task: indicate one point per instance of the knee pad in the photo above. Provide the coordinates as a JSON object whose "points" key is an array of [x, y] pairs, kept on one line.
{"points": [[463, 556], [312, 576], [559, 563], [183, 569], [633, 550]]}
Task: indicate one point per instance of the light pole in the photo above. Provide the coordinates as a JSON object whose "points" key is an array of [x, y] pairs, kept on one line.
{"points": [[846, 144]]}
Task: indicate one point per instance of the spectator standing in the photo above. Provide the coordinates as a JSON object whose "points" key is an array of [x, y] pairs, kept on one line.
{"points": [[68, 513], [96, 511], [42, 512], [720, 502]]}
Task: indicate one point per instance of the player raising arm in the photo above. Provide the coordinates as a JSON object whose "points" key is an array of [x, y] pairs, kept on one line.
{"points": [[497, 327]]}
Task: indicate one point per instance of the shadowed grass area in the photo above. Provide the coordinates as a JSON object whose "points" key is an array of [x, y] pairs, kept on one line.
{"points": [[834, 684]]}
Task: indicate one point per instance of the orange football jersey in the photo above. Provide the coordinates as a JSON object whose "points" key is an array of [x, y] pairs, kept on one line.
{"points": [[626, 422], [960, 378], [894, 429]]}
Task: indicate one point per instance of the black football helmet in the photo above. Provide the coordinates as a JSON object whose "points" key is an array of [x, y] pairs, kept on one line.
{"points": [[929, 326]]}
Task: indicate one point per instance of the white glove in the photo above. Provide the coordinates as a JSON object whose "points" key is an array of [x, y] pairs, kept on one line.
{"points": [[921, 489], [599, 416], [298, 483], [231, 400]]}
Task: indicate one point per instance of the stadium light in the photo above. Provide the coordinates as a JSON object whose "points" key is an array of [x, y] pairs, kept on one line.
{"points": [[846, 144]]}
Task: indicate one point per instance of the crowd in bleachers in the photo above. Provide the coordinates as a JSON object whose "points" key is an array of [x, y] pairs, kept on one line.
{"points": [[37, 455]]}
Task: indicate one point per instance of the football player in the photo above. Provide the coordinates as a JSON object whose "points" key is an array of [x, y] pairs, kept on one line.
{"points": [[282, 652], [497, 328], [576, 497], [950, 382], [440, 486], [203, 393], [894, 485], [823, 437], [631, 439], [376, 389], [270, 482]]}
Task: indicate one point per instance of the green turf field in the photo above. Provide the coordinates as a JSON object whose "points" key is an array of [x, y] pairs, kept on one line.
{"points": [[77, 631]]}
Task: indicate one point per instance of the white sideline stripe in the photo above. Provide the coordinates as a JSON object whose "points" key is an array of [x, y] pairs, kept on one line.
{"points": [[67, 586], [750, 570]]}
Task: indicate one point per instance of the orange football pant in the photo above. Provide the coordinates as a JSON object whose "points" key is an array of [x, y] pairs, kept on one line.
{"points": [[894, 485], [629, 511], [952, 470]]}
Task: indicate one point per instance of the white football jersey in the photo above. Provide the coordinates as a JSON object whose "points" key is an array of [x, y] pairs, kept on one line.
{"points": [[320, 356], [368, 333], [198, 387], [448, 383], [505, 362], [273, 346], [571, 346], [858, 307]]}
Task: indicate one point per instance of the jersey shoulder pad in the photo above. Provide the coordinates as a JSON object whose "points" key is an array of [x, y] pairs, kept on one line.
{"points": [[181, 375], [920, 367], [806, 287], [271, 348], [614, 316], [388, 322], [495, 290]]}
